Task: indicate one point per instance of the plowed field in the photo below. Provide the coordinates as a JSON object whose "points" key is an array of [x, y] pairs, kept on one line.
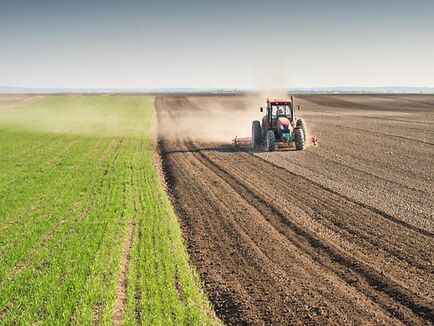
{"points": [[338, 233]]}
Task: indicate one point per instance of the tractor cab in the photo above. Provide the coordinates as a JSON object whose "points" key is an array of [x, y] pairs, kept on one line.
{"points": [[278, 111]]}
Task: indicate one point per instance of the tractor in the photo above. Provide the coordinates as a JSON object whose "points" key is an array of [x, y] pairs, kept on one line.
{"points": [[279, 127]]}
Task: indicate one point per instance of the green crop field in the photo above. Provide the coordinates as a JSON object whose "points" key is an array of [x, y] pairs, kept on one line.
{"points": [[80, 205]]}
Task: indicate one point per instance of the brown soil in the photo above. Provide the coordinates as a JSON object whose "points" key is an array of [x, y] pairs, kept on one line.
{"points": [[15, 100], [121, 291], [341, 233]]}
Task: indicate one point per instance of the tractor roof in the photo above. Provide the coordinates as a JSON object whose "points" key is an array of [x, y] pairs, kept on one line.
{"points": [[280, 102]]}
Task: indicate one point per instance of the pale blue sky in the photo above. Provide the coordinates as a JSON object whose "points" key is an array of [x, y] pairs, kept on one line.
{"points": [[152, 44]]}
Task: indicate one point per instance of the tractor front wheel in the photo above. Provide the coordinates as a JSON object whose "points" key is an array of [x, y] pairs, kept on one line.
{"points": [[299, 139], [271, 141], [256, 134]]}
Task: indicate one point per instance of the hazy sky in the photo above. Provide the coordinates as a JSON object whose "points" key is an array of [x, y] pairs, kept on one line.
{"points": [[221, 43]]}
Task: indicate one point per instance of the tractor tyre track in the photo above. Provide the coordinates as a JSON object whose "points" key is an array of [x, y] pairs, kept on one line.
{"points": [[320, 246]]}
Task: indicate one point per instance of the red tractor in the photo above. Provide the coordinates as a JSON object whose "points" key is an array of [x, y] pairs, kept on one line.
{"points": [[279, 126]]}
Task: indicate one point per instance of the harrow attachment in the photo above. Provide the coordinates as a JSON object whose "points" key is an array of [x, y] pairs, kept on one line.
{"points": [[247, 141], [241, 141]]}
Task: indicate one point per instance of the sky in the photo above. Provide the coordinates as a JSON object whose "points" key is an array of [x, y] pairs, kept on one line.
{"points": [[216, 44]]}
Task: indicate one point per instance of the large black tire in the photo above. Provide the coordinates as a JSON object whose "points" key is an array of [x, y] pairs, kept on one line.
{"points": [[256, 135], [270, 142], [299, 139], [300, 124]]}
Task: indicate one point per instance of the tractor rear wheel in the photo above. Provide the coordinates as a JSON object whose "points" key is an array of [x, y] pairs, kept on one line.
{"points": [[270, 144], [256, 134], [299, 139], [300, 124]]}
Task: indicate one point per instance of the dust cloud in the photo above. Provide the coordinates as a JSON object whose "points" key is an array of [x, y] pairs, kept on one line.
{"points": [[219, 118], [208, 118], [212, 118]]}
